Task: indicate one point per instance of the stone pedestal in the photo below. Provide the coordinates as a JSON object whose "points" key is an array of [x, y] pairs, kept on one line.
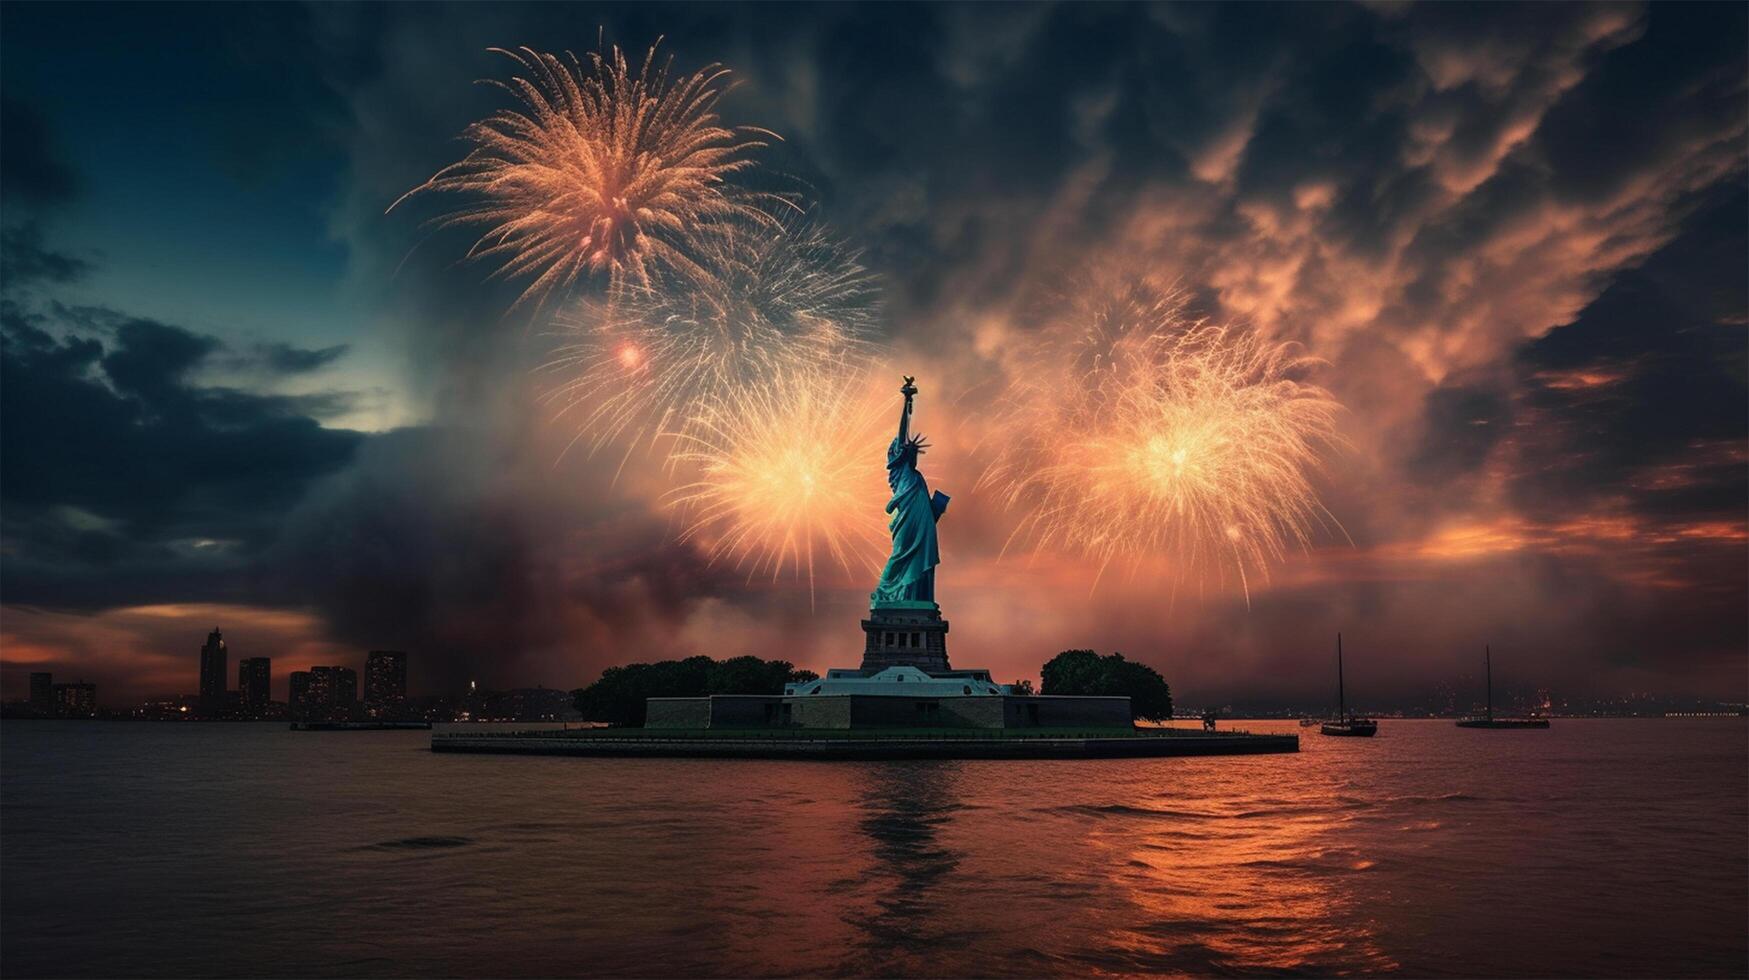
{"points": [[910, 634]]}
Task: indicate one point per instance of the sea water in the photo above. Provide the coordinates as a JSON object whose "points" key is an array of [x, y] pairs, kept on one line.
{"points": [[1597, 848]]}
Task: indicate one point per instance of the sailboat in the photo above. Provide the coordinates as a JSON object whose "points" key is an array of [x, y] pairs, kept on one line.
{"points": [[1345, 724], [1488, 720]]}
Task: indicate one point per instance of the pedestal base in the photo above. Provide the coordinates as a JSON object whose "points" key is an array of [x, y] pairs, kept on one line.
{"points": [[910, 634]]}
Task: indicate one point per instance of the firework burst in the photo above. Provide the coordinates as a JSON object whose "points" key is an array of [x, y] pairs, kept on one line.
{"points": [[763, 301], [787, 473], [605, 170], [1145, 433]]}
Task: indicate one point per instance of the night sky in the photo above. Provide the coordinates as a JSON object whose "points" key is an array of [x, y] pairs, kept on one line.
{"points": [[235, 392]]}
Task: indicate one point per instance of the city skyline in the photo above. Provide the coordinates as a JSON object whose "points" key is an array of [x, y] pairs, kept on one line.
{"points": [[380, 683], [1508, 245]]}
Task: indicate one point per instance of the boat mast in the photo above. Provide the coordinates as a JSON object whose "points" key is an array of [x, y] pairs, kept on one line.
{"points": [[1341, 697], [1488, 667]]}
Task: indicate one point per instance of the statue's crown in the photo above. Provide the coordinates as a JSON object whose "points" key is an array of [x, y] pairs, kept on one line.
{"points": [[907, 449]]}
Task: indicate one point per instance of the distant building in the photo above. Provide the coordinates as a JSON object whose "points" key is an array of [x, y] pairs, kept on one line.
{"points": [[523, 704], [320, 694], [345, 690], [298, 699], [212, 673], [166, 709], [385, 680], [328, 694], [76, 700], [254, 683], [42, 694]]}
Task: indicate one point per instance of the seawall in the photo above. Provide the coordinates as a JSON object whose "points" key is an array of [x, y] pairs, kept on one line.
{"points": [[865, 747]]}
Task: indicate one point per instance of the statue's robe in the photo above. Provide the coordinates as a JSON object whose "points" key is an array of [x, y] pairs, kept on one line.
{"points": [[910, 571]]}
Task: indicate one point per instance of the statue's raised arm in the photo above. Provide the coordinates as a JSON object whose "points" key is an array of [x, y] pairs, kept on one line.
{"points": [[909, 390]]}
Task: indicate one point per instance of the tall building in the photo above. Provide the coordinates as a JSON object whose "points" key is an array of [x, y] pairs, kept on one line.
{"points": [[76, 700], [297, 702], [212, 673], [345, 691], [254, 684], [319, 697], [385, 679], [329, 694], [42, 694]]}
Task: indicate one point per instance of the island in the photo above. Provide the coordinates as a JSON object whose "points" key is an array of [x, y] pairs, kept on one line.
{"points": [[904, 701]]}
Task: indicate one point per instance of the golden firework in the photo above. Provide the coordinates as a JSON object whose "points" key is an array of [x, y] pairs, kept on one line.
{"points": [[763, 301], [604, 170], [1141, 432], [787, 473]]}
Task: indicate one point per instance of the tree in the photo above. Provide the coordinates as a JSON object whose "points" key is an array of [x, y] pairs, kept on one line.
{"points": [[618, 696], [1072, 672], [750, 675], [1086, 672]]}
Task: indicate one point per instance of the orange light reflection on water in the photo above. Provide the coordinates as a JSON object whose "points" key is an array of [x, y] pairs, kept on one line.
{"points": [[1245, 883]]}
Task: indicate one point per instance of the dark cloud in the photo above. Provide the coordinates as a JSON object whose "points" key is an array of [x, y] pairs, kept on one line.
{"points": [[25, 258], [124, 478], [1643, 400], [1462, 424], [1679, 86], [282, 358]]}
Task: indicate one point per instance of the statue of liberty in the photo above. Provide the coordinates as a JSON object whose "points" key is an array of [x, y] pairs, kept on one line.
{"points": [[909, 577]]}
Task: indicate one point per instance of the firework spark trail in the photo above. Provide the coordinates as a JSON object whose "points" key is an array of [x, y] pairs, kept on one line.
{"points": [[605, 170], [788, 470], [765, 301], [1145, 433]]}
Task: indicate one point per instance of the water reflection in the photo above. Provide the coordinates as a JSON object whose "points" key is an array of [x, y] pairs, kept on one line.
{"points": [[1228, 890], [905, 809]]}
